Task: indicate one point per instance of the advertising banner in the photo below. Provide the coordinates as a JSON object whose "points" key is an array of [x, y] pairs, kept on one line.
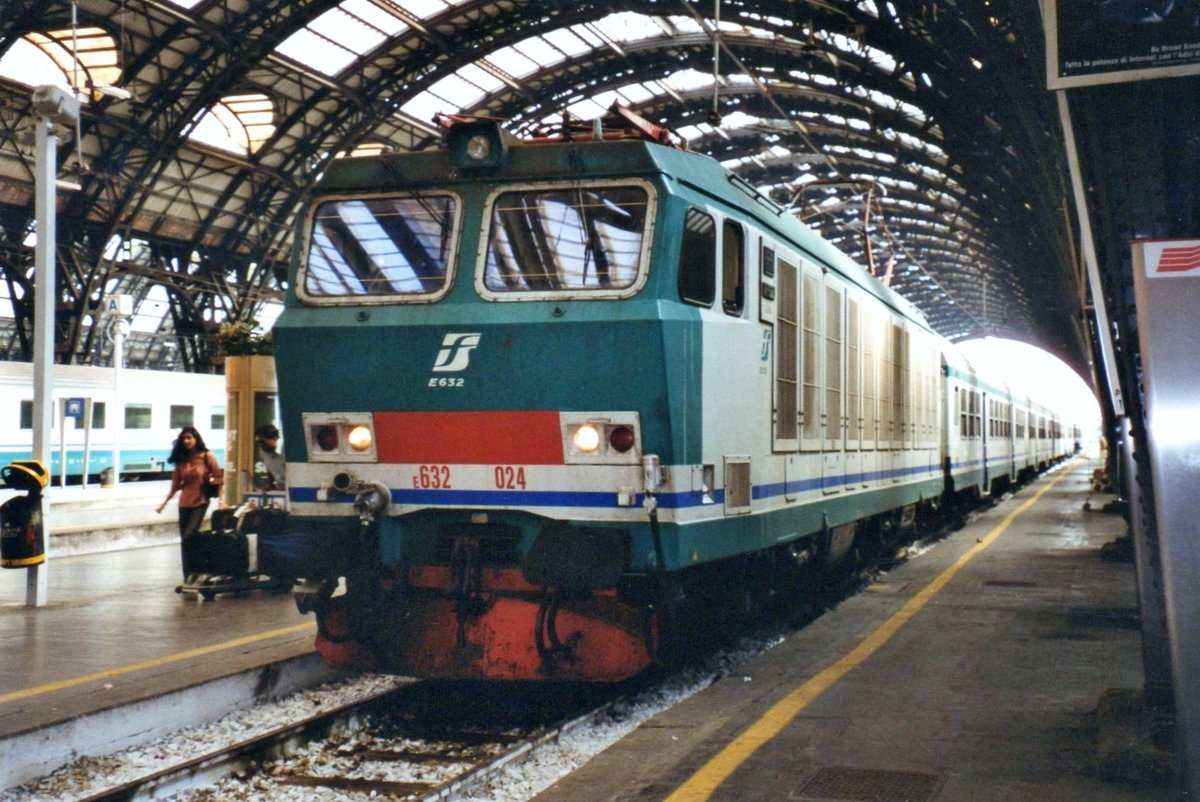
{"points": [[1091, 42]]}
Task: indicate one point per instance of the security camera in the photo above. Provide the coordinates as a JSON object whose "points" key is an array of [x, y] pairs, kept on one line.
{"points": [[56, 105]]}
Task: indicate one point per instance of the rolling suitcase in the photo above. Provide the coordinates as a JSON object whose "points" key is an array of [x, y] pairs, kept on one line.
{"points": [[224, 551]]}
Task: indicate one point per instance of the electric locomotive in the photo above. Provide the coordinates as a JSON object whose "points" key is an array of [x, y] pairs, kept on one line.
{"points": [[554, 408]]}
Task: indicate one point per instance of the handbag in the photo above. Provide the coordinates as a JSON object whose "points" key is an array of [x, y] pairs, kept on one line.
{"points": [[211, 488]]}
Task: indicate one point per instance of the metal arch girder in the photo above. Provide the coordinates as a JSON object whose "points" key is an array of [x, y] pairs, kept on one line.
{"points": [[356, 122], [191, 88]]}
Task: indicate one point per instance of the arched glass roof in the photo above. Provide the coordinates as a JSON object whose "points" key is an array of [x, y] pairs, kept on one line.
{"points": [[906, 130]]}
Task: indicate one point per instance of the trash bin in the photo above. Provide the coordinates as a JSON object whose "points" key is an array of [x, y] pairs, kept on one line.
{"points": [[22, 536], [106, 477]]}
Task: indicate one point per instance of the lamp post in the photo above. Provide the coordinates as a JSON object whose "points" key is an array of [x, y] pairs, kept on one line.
{"points": [[54, 108]]}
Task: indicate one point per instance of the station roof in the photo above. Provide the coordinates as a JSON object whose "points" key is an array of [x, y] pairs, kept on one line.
{"points": [[917, 135]]}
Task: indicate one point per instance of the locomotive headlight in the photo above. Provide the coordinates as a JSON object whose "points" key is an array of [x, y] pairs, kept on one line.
{"points": [[340, 436], [359, 438], [586, 439], [600, 437], [478, 147], [478, 144]]}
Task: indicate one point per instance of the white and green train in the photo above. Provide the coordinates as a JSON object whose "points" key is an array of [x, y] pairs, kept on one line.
{"points": [[553, 408]]}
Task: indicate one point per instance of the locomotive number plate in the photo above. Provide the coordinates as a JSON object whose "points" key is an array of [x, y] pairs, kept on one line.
{"points": [[432, 477], [510, 478]]}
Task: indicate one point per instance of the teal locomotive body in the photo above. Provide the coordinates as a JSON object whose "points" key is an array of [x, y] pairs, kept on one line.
{"points": [[553, 409]]}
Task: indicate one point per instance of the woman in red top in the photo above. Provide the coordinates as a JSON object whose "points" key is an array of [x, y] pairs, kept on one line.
{"points": [[194, 464]]}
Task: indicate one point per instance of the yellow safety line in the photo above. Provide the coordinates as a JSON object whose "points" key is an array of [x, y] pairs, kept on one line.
{"points": [[50, 687], [705, 781]]}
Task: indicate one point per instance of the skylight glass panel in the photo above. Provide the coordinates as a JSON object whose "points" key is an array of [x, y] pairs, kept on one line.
{"points": [[627, 26], [317, 52], [373, 15], [687, 80], [238, 123], [636, 93], [426, 105], [739, 119], [29, 64], [460, 92], [88, 56], [481, 78], [348, 30], [514, 62], [335, 39], [568, 41], [540, 51], [589, 37], [422, 9], [586, 109]]}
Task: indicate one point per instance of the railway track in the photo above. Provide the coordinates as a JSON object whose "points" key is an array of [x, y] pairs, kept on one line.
{"points": [[425, 741], [439, 740]]}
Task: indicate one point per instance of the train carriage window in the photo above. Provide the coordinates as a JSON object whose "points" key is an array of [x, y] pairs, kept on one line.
{"points": [[853, 374], [869, 374], [811, 360], [787, 388], [733, 269], [182, 415], [566, 239], [26, 415], [99, 414], [217, 417], [392, 245], [886, 420], [834, 342], [697, 259], [137, 416], [964, 430]]}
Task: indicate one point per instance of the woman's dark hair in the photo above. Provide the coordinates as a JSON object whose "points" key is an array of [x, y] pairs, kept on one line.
{"points": [[181, 454]]}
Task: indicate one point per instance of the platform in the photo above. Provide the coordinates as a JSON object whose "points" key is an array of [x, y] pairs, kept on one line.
{"points": [[971, 673], [117, 658]]}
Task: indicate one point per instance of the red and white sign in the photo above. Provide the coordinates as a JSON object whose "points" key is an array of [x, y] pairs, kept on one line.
{"points": [[1170, 258]]}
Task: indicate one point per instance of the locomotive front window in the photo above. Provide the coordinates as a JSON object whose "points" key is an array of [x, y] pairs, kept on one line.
{"points": [[555, 241], [393, 245]]}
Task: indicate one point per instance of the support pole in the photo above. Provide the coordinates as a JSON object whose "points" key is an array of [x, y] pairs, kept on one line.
{"points": [[43, 333], [53, 106]]}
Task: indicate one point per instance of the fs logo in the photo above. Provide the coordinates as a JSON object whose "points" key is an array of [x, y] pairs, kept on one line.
{"points": [[456, 350]]}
